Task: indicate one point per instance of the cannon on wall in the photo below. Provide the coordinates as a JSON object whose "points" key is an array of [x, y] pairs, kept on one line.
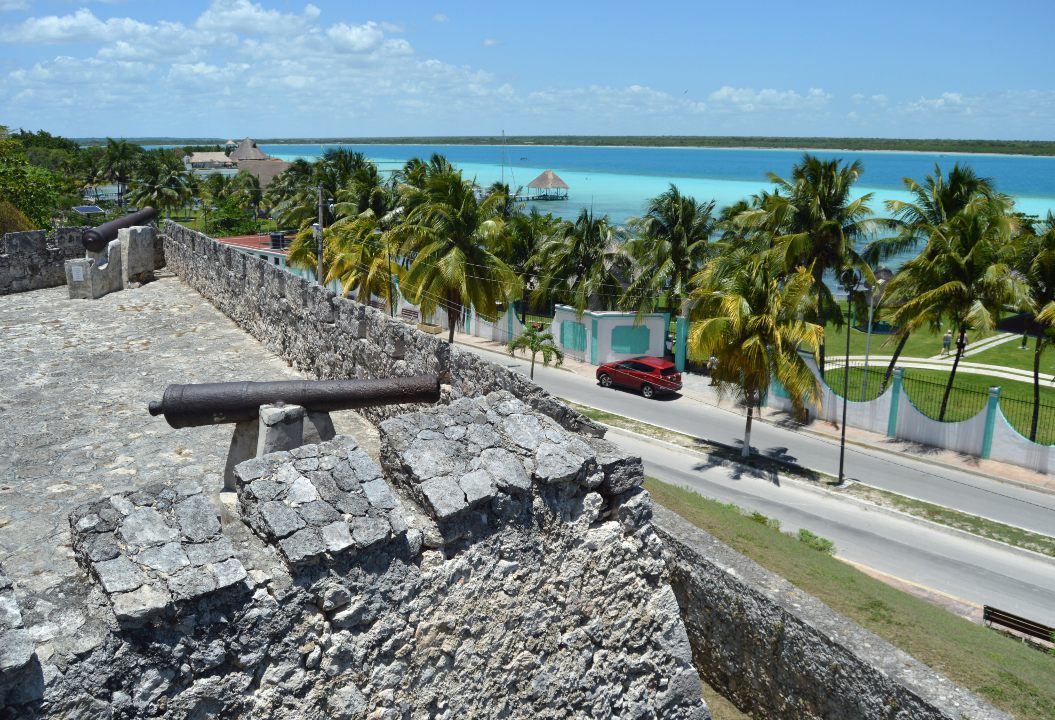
{"points": [[97, 238], [282, 415], [118, 254]]}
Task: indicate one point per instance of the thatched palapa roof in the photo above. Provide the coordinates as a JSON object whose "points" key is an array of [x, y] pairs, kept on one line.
{"points": [[263, 170], [548, 181], [210, 159], [247, 150]]}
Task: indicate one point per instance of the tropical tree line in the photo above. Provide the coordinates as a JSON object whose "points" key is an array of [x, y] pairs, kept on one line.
{"points": [[42, 176], [756, 278]]}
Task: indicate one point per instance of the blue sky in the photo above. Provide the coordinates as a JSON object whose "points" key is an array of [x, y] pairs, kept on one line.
{"points": [[284, 68]]}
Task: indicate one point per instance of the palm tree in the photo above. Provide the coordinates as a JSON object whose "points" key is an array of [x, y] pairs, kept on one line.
{"points": [[748, 314], [449, 235], [159, 184], [119, 161], [934, 202], [536, 341], [961, 276], [672, 246], [585, 267], [818, 225], [1036, 259], [244, 191], [519, 247], [358, 253]]}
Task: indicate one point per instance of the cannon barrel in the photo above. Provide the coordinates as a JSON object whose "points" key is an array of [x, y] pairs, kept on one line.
{"points": [[97, 238], [230, 402]]}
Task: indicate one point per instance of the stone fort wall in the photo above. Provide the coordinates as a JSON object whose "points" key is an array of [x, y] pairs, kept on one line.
{"points": [[332, 337], [774, 650], [34, 260]]}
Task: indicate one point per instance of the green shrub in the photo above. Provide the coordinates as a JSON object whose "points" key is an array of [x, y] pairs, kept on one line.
{"points": [[767, 521], [816, 541], [12, 219]]}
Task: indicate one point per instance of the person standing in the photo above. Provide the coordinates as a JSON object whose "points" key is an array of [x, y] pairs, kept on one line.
{"points": [[946, 342]]}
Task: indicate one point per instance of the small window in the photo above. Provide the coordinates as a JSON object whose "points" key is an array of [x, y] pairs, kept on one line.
{"points": [[667, 372], [641, 367]]}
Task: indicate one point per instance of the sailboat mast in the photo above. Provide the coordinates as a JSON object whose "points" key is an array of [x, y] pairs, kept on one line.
{"points": [[503, 157]]}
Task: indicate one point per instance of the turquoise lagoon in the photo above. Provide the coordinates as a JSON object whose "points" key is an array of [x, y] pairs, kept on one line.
{"points": [[618, 181]]}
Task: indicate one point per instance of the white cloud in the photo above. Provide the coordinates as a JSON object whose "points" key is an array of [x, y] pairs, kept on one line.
{"points": [[13, 5], [440, 18], [356, 38], [392, 27], [492, 42], [768, 99], [243, 16], [81, 26]]}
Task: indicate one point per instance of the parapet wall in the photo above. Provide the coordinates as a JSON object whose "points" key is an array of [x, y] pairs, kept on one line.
{"points": [[777, 652], [34, 260], [334, 337], [494, 566]]}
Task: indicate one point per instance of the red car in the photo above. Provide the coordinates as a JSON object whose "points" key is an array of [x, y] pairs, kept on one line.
{"points": [[650, 375]]}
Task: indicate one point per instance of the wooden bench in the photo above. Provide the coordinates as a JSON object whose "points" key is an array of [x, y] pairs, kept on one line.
{"points": [[409, 315], [993, 616]]}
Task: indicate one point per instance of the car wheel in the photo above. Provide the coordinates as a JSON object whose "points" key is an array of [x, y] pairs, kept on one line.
{"points": [[605, 380], [648, 391]]}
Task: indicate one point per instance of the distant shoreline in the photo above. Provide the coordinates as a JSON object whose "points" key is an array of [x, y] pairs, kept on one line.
{"points": [[1011, 148]]}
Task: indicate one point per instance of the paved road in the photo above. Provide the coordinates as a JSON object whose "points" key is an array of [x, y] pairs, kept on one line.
{"points": [[964, 568], [964, 491]]}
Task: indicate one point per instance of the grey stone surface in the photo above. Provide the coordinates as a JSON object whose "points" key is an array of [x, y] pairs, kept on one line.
{"points": [[157, 532], [327, 510], [34, 260], [468, 454], [780, 653]]}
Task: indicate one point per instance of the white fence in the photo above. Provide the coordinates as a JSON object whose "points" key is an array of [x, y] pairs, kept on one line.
{"points": [[987, 434]]}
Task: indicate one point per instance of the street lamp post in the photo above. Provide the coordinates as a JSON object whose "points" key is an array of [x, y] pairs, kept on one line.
{"points": [[882, 274], [851, 281]]}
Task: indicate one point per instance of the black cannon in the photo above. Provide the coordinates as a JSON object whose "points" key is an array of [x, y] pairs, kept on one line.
{"points": [[97, 238], [233, 402]]}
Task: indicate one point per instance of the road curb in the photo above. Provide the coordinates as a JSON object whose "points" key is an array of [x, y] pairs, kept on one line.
{"points": [[998, 544]]}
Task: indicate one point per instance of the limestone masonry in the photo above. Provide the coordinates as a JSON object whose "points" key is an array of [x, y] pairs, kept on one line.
{"points": [[542, 597]]}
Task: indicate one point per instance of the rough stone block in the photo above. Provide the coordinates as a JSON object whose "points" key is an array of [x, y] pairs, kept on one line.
{"points": [[154, 547], [458, 457], [137, 254], [341, 503]]}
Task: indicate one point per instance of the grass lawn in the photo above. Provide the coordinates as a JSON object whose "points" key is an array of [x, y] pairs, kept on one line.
{"points": [[1007, 673], [921, 344], [1009, 354]]}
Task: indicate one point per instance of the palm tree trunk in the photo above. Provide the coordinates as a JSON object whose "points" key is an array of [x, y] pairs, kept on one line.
{"points": [[1036, 390], [893, 362], [532, 374], [820, 321], [960, 342], [454, 309], [746, 451]]}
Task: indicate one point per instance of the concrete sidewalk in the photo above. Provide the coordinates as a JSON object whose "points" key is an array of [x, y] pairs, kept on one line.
{"points": [[697, 388]]}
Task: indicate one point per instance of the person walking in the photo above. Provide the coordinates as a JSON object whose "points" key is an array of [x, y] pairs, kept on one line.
{"points": [[946, 342]]}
